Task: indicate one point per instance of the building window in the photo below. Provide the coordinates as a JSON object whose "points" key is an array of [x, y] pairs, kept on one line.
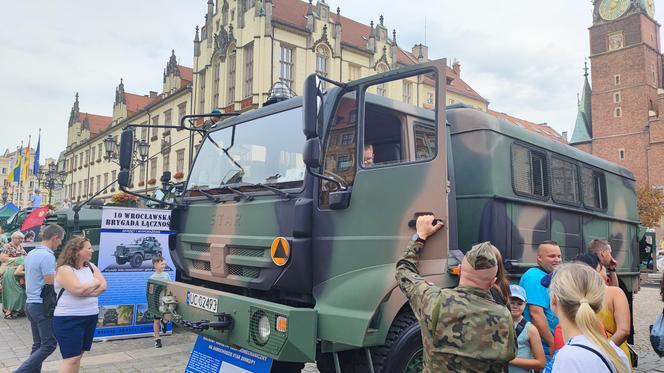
{"points": [[168, 119], [621, 154], [407, 94], [616, 97], [98, 183], [153, 169], [286, 66], [155, 131], [144, 132], [113, 178], [248, 70], [616, 79], [347, 138], [179, 163], [92, 154], [215, 84], [182, 111], [201, 93], [166, 162], [87, 157], [529, 171], [99, 153], [231, 75], [80, 188], [617, 112], [354, 72], [564, 181], [322, 62], [92, 185], [105, 178], [381, 89]]}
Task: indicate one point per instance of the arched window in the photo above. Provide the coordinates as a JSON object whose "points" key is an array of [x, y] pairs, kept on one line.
{"points": [[322, 61], [231, 74], [381, 88]]}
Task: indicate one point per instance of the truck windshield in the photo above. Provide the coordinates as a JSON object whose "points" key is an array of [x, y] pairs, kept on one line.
{"points": [[266, 150]]}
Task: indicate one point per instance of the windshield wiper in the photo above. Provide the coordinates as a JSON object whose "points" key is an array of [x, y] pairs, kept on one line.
{"points": [[236, 192], [275, 190], [209, 196]]}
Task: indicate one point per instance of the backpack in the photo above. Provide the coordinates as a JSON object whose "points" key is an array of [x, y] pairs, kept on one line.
{"points": [[519, 329], [657, 335]]}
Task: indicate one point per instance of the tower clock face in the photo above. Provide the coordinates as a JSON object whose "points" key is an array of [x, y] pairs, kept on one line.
{"points": [[649, 6], [612, 9]]}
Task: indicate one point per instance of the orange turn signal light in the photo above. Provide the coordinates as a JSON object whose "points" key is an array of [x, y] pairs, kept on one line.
{"points": [[282, 324], [455, 271]]}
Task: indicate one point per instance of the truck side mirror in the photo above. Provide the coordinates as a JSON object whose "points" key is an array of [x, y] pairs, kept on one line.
{"points": [[311, 154], [126, 148], [339, 200], [310, 107]]}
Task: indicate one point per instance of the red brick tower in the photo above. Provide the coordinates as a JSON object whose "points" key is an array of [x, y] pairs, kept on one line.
{"points": [[626, 68]]}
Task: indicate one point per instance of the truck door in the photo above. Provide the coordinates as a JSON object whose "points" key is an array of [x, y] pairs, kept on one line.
{"points": [[383, 154]]}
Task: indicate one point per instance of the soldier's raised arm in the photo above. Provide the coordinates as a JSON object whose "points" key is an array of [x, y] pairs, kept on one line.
{"points": [[419, 292]]}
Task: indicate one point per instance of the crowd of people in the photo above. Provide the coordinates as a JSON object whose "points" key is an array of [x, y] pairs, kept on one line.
{"points": [[59, 297], [560, 317]]}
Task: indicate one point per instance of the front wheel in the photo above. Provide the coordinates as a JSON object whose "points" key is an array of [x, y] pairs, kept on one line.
{"points": [[403, 351], [120, 261], [136, 261]]}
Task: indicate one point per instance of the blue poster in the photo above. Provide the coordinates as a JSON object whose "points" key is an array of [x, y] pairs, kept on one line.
{"points": [[125, 259], [209, 356]]}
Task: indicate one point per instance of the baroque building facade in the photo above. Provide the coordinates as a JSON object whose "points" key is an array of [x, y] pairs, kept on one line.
{"points": [[242, 49]]}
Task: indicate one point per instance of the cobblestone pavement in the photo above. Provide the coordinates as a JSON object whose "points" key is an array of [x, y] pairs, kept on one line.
{"points": [[647, 306], [128, 355], [139, 355]]}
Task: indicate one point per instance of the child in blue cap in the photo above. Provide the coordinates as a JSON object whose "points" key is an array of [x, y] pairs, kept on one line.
{"points": [[529, 353]]}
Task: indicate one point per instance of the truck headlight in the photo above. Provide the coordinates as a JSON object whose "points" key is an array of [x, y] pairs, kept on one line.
{"points": [[262, 328]]}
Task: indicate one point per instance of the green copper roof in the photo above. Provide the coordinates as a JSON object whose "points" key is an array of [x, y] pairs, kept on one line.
{"points": [[583, 125]]}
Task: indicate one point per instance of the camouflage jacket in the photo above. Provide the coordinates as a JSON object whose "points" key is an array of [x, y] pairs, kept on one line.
{"points": [[463, 329]]}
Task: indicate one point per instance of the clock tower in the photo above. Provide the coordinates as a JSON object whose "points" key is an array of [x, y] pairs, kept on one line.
{"points": [[626, 100]]}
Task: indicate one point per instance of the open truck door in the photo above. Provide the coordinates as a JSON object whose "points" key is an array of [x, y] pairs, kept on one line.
{"points": [[378, 149]]}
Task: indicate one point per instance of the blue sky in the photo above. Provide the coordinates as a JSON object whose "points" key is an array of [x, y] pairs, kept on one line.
{"points": [[525, 57]]}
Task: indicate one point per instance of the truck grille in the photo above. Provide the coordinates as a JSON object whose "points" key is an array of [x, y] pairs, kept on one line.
{"points": [[201, 265], [257, 253], [243, 271]]}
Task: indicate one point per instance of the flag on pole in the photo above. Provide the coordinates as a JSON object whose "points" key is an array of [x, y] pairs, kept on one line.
{"points": [[26, 162], [35, 166], [15, 174]]}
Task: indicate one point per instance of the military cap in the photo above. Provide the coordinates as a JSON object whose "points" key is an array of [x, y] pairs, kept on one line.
{"points": [[482, 256]]}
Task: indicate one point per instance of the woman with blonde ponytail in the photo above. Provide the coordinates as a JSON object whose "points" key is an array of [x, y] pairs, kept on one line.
{"points": [[577, 292]]}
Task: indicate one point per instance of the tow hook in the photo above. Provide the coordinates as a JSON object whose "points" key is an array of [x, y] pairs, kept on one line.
{"points": [[225, 322]]}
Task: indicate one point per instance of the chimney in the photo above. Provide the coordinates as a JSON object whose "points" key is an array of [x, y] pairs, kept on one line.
{"points": [[564, 134], [153, 94], [456, 66], [421, 52]]}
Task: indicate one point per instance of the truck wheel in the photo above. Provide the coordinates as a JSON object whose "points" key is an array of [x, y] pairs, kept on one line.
{"points": [[286, 367], [403, 351], [136, 261], [120, 261]]}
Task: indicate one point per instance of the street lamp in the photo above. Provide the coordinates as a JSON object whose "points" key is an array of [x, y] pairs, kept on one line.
{"points": [[4, 196], [140, 151], [51, 179]]}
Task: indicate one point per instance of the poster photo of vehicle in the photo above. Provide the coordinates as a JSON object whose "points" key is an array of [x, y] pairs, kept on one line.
{"points": [[117, 315], [122, 251], [142, 315]]}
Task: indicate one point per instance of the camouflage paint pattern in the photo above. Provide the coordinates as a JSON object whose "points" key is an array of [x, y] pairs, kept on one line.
{"points": [[340, 276], [463, 329]]}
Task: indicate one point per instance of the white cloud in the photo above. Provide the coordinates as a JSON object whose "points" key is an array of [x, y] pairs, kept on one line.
{"points": [[525, 57]]}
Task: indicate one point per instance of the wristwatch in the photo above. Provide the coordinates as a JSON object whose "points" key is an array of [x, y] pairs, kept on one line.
{"points": [[416, 238]]}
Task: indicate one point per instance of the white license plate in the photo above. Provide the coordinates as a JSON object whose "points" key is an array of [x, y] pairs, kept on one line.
{"points": [[202, 301]]}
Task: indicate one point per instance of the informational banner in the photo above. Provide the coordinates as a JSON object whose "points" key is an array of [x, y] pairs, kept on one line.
{"points": [[210, 356], [130, 238]]}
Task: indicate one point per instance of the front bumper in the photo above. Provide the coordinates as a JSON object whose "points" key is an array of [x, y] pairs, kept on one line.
{"points": [[297, 343]]}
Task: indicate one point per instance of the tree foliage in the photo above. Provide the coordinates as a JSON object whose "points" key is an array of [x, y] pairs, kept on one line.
{"points": [[650, 202]]}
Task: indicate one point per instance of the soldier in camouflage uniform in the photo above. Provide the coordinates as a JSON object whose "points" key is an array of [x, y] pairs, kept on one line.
{"points": [[463, 329]]}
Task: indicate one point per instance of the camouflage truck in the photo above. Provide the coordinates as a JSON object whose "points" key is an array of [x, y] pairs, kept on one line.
{"points": [[288, 235], [110, 317], [89, 224], [144, 248]]}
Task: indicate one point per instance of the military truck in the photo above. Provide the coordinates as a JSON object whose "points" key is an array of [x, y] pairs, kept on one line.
{"points": [[144, 248], [110, 317], [89, 224], [290, 225]]}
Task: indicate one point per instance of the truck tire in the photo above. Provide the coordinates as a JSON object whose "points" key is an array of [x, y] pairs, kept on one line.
{"points": [[403, 350], [286, 367], [136, 261], [120, 261]]}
